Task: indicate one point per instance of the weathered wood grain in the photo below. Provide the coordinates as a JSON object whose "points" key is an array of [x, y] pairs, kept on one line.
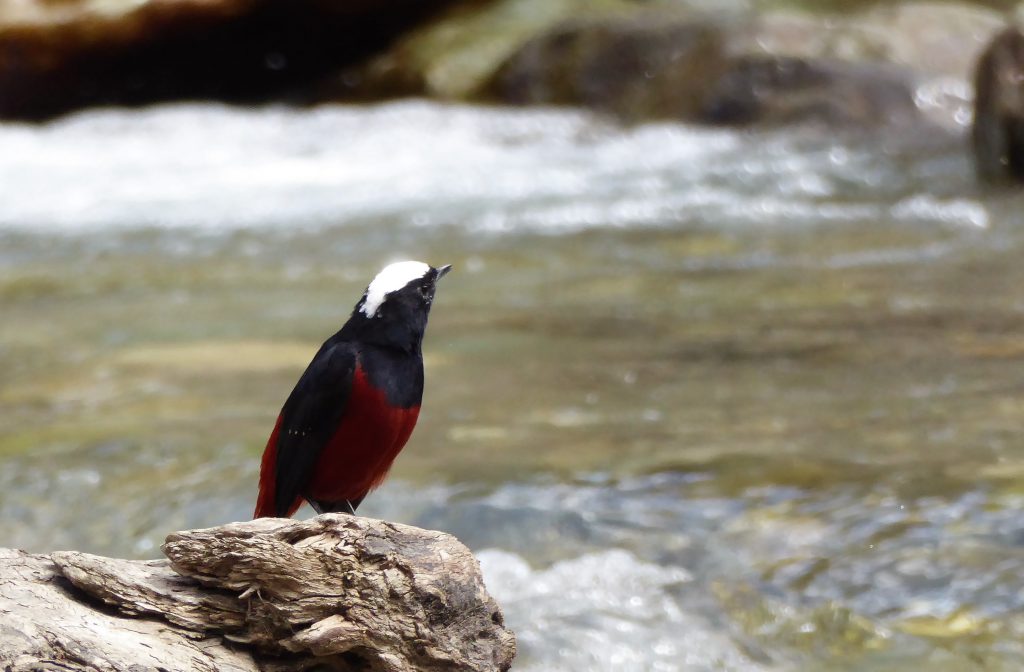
{"points": [[335, 593]]}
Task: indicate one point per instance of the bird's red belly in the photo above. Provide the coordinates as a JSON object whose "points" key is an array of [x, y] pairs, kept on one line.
{"points": [[362, 449]]}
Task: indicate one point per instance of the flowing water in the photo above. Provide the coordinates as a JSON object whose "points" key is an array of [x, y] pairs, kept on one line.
{"points": [[699, 400]]}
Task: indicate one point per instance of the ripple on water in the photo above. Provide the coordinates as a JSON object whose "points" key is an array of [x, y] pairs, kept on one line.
{"points": [[605, 610], [855, 575]]}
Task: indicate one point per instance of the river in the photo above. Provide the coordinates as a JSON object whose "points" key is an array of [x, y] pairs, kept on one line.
{"points": [[698, 399]]}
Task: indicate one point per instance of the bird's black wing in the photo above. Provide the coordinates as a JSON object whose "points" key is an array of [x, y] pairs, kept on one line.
{"points": [[310, 417]]}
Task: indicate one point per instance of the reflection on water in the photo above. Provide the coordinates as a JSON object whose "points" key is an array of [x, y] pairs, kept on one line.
{"points": [[700, 400]]}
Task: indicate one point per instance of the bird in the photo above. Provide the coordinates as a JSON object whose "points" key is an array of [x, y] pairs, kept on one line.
{"points": [[356, 404]]}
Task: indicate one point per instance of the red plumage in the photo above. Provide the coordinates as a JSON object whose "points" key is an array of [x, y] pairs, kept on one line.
{"points": [[268, 478], [358, 456]]}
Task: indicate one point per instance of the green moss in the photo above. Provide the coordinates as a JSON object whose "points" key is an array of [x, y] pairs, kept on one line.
{"points": [[455, 56]]}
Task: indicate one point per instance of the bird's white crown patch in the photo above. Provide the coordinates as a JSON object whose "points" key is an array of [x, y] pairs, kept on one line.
{"points": [[391, 279]]}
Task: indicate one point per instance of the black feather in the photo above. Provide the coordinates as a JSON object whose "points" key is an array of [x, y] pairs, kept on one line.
{"points": [[310, 416]]}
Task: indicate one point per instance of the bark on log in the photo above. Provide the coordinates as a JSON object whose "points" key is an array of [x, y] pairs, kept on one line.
{"points": [[332, 593]]}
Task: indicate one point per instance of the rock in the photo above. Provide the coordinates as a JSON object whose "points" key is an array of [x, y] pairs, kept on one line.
{"points": [[997, 133], [639, 60], [873, 57], [637, 68], [918, 36], [335, 593], [58, 56], [454, 56], [935, 43], [858, 67], [688, 70], [933, 38], [778, 89]]}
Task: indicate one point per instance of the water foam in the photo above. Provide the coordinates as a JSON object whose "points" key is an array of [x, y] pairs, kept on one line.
{"points": [[605, 611], [425, 164]]}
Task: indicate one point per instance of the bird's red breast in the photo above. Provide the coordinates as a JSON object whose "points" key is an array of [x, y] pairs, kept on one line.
{"points": [[360, 453], [355, 459]]}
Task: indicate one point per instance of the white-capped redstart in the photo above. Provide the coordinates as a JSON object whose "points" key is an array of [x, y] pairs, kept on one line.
{"points": [[355, 406]]}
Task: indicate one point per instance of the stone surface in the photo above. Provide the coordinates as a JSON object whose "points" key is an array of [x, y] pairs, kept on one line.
{"points": [[777, 90], [928, 38], [636, 68], [690, 70], [870, 59], [454, 56], [650, 60]]}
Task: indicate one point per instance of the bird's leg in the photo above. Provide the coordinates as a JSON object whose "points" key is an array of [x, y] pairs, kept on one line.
{"points": [[344, 506]]}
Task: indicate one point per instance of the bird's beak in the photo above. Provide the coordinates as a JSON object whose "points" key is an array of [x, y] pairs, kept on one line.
{"points": [[442, 271]]}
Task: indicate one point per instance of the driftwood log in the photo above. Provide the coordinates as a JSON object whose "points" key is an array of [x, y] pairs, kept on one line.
{"points": [[332, 593]]}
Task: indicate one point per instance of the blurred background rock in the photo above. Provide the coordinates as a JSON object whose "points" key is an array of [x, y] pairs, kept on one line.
{"points": [[732, 62]]}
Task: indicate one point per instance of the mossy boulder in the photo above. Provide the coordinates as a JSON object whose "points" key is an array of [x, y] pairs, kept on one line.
{"points": [[454, 56], [654, 59], [866, 64]]}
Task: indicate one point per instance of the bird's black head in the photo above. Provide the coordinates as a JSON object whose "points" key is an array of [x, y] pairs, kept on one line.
{"points": [[394, 308]]}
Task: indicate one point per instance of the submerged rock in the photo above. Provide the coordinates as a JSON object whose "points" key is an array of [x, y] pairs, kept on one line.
{"points": [[998, 131], [58, 56]]}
